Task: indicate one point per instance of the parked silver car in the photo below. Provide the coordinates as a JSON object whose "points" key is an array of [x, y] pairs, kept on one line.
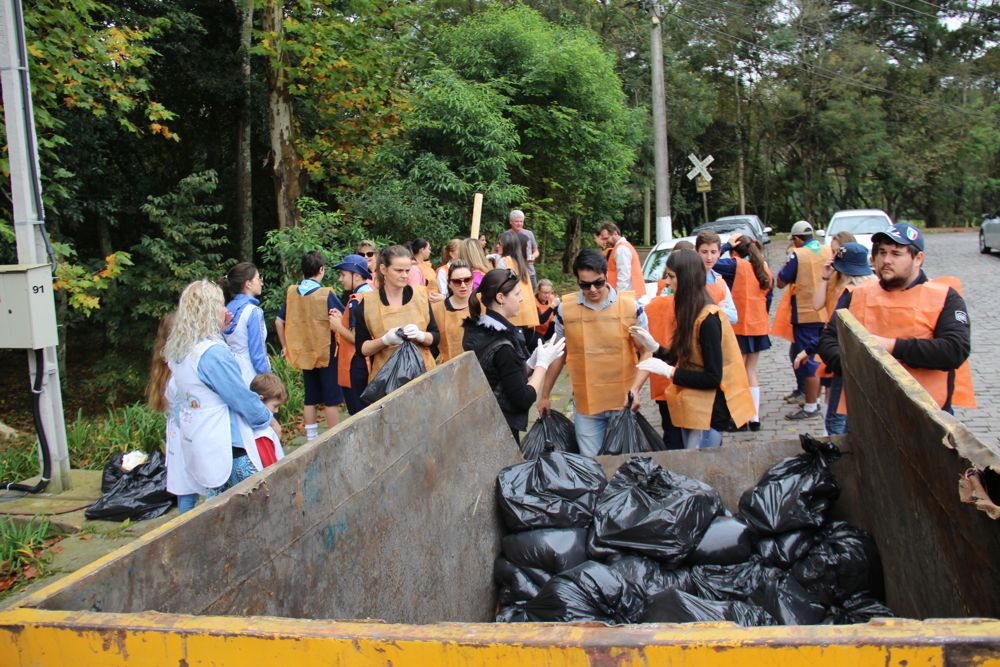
{"points": [[989, 233]]}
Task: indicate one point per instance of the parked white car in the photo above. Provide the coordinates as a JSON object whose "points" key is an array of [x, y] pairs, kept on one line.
{"points": [[863, 223], [989, 233]]}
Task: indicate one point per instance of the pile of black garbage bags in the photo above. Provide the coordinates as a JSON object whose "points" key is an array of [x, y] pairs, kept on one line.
{"points": [[654, 546]]}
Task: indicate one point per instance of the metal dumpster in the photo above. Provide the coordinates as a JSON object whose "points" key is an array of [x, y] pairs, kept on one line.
{"points": [[375, 547]]}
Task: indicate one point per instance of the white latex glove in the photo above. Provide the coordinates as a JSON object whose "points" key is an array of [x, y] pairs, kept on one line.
{"points": [[533, 359], [392, 337], [644, 339], [413, 332], [546, 353], [656, 366]]}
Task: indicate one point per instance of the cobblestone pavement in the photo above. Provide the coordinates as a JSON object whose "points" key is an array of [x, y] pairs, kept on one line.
{"points": [[955, 254]]}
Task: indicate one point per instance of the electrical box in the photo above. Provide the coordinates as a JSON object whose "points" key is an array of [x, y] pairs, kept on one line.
{"points": [[27, 308]]}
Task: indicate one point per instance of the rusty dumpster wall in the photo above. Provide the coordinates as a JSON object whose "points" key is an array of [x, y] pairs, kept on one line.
{"points": [[391, 515], [941, 558]]}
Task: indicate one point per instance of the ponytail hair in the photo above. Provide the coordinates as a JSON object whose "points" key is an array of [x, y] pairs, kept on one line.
{"points": [[497, 281], [749, 249], [236, 279]]}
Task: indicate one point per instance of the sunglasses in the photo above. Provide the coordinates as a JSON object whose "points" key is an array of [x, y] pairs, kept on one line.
{"points": [[370, 253], [461, 281], [589, 284]]}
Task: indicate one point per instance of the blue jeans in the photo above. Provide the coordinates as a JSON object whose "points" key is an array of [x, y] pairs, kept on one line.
{"points": [[186, 502], [701, 439], [836, 424], [590, 431]]}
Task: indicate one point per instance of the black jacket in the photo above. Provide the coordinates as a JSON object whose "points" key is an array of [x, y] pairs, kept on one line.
{"points": [[500, 348]]}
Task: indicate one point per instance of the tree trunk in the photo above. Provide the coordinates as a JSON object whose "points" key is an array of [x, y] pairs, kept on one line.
{"points": [[285, 162], [574, 231], [244, 187]]}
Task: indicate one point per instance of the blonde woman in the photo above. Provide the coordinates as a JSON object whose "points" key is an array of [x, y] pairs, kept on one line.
{"points": [[470, 252], [448, 253], [214, 408]]}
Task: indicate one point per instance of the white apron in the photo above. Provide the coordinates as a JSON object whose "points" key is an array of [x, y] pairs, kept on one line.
{"points": [[179, 480], [203, 417]]}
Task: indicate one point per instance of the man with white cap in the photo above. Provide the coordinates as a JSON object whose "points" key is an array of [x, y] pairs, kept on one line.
{"points": [[804, 269], [923, 323]]}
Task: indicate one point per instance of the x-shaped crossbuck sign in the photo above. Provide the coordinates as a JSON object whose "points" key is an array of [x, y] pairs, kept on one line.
{"points": [[700, 167]]}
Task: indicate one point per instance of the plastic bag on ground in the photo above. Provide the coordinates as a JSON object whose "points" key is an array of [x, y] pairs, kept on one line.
{"points": [[551, 432], [589, 592], [551, 549], [844, 562], [675, 606], [654, 512], [730, 582], [786, 549], [405, 364], [628, 432], [788, 602], [795, 492], [516, 584], [556, 490], [728, 540], [140, 493], [646, 577]]}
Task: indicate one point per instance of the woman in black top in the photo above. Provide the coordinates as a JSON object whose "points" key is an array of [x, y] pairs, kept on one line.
{"points": [[514, 376]]}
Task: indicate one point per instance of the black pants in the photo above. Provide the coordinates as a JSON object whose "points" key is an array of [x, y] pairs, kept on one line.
{"points": [[671, 434]]}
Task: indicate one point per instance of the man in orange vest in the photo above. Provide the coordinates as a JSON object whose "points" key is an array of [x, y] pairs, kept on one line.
{"points": [[804, 269], [600, 353], [923, 323], [624, 268]]}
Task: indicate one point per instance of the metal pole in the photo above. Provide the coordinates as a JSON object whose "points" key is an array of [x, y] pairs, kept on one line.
{"points": [[29, 216], [704, 205], [664, 225]]}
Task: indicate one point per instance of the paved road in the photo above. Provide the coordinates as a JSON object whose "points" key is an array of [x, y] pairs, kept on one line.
{"points": [[947, 254]]}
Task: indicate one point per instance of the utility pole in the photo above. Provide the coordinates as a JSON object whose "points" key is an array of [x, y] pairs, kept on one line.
{"points": [[29, 219], [664, 225]]}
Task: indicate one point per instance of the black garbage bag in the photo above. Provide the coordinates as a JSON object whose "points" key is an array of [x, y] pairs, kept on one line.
{"points": [[140, 493], [589, 592], [728, 540], [556, 490], [730, 582], [551, 432], [646, 577], [405, 364], [517, 584], [845, 561], [859, 608], [511, 614], [654, 512], [676, 606], [551, 549], [628, 432], [788, 602], [795, 492], [784, 550]]}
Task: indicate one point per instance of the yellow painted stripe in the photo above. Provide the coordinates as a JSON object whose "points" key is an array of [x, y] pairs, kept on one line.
{"points": [[30, 637]]}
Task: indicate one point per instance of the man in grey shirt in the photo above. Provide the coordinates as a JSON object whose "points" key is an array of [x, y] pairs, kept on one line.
{"points": [[516, 221]]}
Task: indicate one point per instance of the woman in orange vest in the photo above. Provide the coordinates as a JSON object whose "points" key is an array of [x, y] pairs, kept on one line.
{"points": [[450, 313], [397, 311], [709, 385], [513, 257], [751, 281], [352, 368], [546, 303], [421, 271]]}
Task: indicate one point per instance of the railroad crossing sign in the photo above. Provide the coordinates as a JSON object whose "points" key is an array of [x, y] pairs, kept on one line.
{"points": [[700, 167]]}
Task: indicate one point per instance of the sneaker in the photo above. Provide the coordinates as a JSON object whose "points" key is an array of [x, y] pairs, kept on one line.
{"points": [[801, 414], [794, 397], [754, 426]]}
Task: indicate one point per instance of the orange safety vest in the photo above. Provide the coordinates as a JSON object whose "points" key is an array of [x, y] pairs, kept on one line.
{"points": [[379, 318], [782, 326], [913, 313], [750, 300], [526, 316], [808, 278], [638, 282], [662, 324], [692, 408], [307, 328], [543, 325], [600, 355], [430, 276], [345, 350], [716, 290], [450, 326]]}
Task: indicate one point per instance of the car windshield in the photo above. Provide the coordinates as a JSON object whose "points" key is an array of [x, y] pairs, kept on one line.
{"points": [[725, 227], [739, 222], [652, 270], [858, 224]]}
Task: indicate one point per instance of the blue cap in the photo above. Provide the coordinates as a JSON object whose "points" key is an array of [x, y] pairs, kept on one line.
{"points": [[851, 259], [901, 233], [355, 264]]}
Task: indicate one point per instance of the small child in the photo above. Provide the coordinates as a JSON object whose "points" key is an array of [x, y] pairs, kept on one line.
{"points": [[272, 391]]}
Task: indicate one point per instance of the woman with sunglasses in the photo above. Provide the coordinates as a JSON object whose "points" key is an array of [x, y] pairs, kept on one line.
{"points": [[397, 311], [450, 313], [709, 383], [516, 377]]}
